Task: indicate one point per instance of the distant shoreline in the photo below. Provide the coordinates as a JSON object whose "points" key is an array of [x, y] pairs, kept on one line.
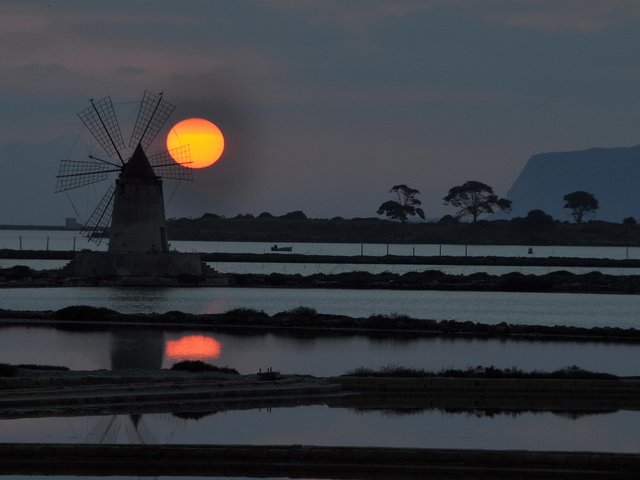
{"points": [[361, 259], [282, 230]]}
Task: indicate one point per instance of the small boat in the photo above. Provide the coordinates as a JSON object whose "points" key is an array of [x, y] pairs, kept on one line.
{"points": [[276, 248]]}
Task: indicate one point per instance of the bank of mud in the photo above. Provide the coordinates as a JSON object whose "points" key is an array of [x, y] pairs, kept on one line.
{"points": [[558, 281], [108, 392], [304, 461], [306, 321]]}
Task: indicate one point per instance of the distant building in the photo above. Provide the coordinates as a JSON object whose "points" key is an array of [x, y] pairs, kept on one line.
{"points": [[71, 223]]}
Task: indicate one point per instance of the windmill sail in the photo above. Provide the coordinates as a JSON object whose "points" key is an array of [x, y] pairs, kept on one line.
{"points": [[79, 173], [153, 114], [100, 218], [173, 164], [100, 118]]}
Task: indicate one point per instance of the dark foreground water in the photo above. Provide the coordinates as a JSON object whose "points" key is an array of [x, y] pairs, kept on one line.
{"points": [[321, 425]]}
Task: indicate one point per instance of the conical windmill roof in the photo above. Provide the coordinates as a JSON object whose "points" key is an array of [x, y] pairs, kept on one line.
{"points": [[138, 166]]}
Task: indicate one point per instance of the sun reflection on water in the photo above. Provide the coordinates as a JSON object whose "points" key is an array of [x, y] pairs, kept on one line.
{"points": [[193, 347]]}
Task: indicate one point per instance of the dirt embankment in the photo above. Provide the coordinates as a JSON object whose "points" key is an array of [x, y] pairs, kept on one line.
{"points": [[192, 395], [42, 393], [304, 321], [305, 461], [556, 281]]}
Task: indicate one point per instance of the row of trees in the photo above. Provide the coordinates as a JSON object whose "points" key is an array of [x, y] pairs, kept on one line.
{"points": [[473, 199]]}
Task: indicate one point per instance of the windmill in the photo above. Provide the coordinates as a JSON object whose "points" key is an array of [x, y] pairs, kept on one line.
{"points": [[135, 202], [132, 208]]}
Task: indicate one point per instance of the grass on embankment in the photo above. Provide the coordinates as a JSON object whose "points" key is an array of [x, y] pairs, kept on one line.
{"points": [[199, 366], [7, 370], [566, 373]]}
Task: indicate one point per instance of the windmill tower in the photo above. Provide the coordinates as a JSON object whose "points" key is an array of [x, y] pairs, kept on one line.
{"points": [[138, 222], [132, 209]]}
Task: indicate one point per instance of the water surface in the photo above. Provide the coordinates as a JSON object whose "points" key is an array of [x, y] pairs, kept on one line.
{"points": [[587, 310], [302, 353], [72, 240], [320, 425]]}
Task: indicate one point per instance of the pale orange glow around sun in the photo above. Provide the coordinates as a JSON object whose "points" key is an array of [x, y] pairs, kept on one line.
{"points": [[205, 141], [193, 347]]}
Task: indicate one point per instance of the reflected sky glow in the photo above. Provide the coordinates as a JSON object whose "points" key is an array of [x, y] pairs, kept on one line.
{"points": [[193, 347]]}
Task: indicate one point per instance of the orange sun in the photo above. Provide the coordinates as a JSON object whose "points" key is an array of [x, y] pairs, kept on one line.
{"points": [[204, 139]]}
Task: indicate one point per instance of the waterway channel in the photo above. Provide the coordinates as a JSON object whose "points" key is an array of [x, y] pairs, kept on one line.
{"points": [[298, 352], [585, 310], [321, 425]]}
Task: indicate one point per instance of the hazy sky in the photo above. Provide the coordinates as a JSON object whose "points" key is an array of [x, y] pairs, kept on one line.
{"points": [[325, 104]]}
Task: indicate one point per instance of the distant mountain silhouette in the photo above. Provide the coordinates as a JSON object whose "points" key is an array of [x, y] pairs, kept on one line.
{"points": [[611, 174]]}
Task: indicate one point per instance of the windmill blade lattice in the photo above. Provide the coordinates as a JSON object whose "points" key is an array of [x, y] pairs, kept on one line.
{"points": [[100, 118], [173, 164], [79, 173], [100, 219], [153, 114]]}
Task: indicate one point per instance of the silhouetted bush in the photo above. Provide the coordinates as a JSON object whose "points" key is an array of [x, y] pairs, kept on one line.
{"points": [[518, 282], [448, 220], [300, 312], [538, 219], [83, 312], [269, 375], [629, 221], [390, 371], [52, 368], [17, 272], [572, 373], [238, 314], [198, 366], [7, 370], [295, 215]]}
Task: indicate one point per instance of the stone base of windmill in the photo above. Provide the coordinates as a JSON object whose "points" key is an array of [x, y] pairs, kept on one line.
{"points": [[142, 268]]}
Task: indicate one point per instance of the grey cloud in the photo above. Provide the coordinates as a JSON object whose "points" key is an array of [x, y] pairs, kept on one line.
{"points": [[130, 70]]}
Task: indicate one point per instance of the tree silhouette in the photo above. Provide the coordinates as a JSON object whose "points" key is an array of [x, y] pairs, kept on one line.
{"points": [[407, 205], [581, 203], [538, 219], [474, 199]]}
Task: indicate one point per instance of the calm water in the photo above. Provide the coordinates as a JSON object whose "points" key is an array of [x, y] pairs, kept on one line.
{"points": [[328, 355], [320, 425], [67, 240], [486, 307], [320, 355], [298, 353]]}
